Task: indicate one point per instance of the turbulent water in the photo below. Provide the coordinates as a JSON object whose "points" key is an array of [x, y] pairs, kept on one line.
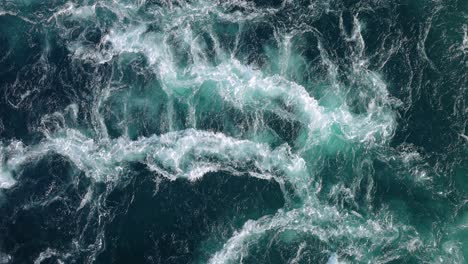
{"points": [[234, 131]]}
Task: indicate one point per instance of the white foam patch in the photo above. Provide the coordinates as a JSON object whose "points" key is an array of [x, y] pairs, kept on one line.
{"points": [[334, 260], [464, 46], [186, 154], [6, 180], [5, 258], [321, 221], [50, 253]]}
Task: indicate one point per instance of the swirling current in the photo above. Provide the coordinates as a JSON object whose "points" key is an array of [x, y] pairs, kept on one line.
{"points": [[233, 131]]}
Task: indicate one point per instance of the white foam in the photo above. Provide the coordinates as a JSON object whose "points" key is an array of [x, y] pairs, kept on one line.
{"points": [[86, 199], [5, 258], [464, 46], [186, 154], [334, 259], [323, 222], [49, 253], [465, 137], [6, 180]]}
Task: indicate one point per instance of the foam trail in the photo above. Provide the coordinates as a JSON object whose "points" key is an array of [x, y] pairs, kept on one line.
{"points": [[187, 154], [322, 222], [334, 260], [464, 45], [6, 179]]}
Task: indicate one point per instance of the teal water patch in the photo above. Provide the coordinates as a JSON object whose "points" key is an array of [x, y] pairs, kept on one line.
{"points": [[233, 132]]}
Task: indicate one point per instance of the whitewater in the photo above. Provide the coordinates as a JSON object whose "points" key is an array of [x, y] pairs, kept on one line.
{"points": [[233, 132]]}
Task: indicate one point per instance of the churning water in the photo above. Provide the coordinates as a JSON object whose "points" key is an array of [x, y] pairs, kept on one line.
{"points": [[234, 131]]}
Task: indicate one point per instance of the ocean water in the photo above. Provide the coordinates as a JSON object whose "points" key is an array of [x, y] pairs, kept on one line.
{"points": [[234, 131]]}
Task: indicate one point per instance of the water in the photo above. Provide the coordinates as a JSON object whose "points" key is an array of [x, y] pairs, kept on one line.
{"points": [[233, 131]]}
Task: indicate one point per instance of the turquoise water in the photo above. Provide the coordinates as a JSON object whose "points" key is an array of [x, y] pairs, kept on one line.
{"points": [[233, 131]]}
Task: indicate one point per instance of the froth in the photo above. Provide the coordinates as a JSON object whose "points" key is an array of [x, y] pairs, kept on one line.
{"points": [[186, 154]]}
